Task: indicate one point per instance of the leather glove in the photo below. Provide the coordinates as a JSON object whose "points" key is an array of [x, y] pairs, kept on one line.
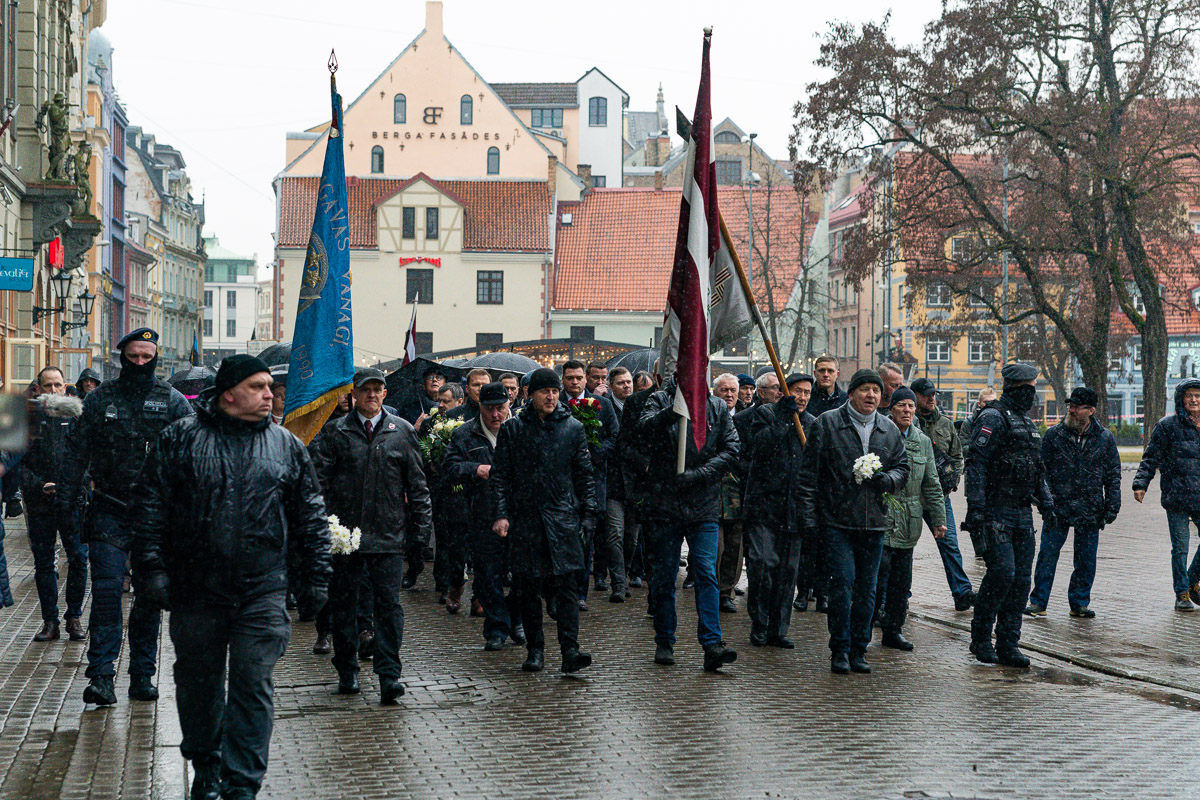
{"points": [[153, 588], [787, 404], [311, 600], [880, 482], [1110, 516], [976, 521], [587, 530], [686, 479]]}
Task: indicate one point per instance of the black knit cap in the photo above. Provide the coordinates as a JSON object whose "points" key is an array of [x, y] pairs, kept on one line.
{"points": [[1083, 396], [544, 378], [865, 376], [903, 393], [237, 368]]}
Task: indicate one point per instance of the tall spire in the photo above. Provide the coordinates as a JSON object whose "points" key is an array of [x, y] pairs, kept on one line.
{"points": [[662, 114]]}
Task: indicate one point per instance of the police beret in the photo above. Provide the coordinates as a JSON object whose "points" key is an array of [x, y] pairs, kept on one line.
{"points": [[140, 335], [1019, 372]]}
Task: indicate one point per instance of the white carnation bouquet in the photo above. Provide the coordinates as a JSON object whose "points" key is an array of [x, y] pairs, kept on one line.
{"points": [[865, 467], [343, 540]]}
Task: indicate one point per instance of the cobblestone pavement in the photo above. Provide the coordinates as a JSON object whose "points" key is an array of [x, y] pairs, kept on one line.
{"points": [[777, 724]]}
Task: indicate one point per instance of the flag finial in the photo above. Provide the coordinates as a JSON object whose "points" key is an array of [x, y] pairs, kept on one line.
{"points": [[708, 32], [333, 65]]}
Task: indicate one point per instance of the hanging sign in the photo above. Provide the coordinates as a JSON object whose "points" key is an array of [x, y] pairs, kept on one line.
{"points": [[16, 274], [437, 262]]}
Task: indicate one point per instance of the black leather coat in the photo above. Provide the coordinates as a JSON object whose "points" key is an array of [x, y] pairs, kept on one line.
{"points": [[774, 475]]}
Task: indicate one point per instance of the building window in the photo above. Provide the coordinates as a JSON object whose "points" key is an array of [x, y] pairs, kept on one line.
{"points": [[937, 295], [979, 348], [118, 201], [937, 351], [408, 223], [1139, 410], [599, 181], [1135, 350], [489, 287], [545, 118], [583, 333], [981, 297], [729, 171], [118, 140], [431, 224], [399, 109], [231, 328], [420, 285], [208, 327], [231, 299], [208, 298], [466, 110], [488, 341], [727, 137], [376, 160], [493, 163], [598, 112], [424, 342]]}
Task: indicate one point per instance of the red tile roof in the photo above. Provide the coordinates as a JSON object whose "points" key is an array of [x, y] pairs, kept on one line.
{"points": [[617, 252], [497, 214]]}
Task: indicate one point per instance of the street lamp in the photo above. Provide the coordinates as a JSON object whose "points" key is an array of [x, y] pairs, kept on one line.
{"points": [[61, 289], [86, 301]]}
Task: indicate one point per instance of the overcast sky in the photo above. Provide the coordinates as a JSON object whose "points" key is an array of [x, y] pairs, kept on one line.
{"points": [[223, 80]]}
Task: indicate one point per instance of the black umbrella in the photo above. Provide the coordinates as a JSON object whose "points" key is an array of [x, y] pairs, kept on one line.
{"points": [[280, 353], [634, 361], [404, 384], [190, 382], [503, 361]]}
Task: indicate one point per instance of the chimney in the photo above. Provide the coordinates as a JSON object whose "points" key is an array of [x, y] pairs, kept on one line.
{"points": [[585, 175], [658, 147], [433, 18], [552, 175], [658, 179]]}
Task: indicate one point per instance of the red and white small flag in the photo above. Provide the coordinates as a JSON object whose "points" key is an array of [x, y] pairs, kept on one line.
{"points": [[410, 336]]}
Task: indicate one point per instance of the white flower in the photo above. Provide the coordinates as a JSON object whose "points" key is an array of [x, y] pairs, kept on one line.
{"points": [[343, 541], [866, 466]]}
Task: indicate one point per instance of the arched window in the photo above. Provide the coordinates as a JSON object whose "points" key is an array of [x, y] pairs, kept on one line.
{"points": [[377, 160], [727, 137], [493, 161], [466, 109], [598, 112], [399, 109]]}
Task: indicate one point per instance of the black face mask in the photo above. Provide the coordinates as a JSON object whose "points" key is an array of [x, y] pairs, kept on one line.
{"points": [[137, 372], [1021, 398]]}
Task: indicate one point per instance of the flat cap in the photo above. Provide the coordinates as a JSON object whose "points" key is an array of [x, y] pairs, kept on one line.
{"points": [[923, 386], [140, 335], [366, 375], [797, 377], [1083, 396], [1017, 371], [493, 394]]}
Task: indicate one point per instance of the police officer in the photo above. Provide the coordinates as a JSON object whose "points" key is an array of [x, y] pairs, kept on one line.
{"points": [[1004, 476], [121, 419]]}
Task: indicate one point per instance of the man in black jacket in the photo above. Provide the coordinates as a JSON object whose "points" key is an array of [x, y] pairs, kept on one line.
{"points": [[543, 500], [1174, 451], [774, 525], [120, 421], [41, 473], [827, 395], [1083, 470], [467, 469], [369, 466], [222, 496], [853, 514], [634, 463], [686, 506]]}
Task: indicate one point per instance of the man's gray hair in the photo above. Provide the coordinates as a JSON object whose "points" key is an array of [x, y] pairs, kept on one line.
{"points": [[891, 367], [764, 380], [455, 390], [725, 376]]}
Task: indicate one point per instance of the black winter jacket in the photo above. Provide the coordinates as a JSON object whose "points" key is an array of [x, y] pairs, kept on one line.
{"points": [[215, 506], [1174, 450], [776, 463], [542, 482], [46, 459], [1084, 474], [828, 492], [694, 496], [469, 449], [378, 487], [630, 449], [820, 402]]}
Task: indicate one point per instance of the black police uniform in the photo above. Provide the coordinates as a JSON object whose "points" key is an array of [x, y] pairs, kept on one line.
{"points": [[1003, 477], [121, 419]]}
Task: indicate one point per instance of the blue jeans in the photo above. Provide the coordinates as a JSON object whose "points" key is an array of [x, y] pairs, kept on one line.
{"points": [[46, 525], [1079, 591], [956, 577], [1182, 575], [108, 575], [6, 598], [665, 541], [854, 569]]}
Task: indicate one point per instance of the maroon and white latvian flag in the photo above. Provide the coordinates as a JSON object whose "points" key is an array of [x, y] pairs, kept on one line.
{"points": [[410, 336], [685, 326]]}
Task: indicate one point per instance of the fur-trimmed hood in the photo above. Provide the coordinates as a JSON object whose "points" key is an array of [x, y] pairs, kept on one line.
{"points": [[62, 406]]}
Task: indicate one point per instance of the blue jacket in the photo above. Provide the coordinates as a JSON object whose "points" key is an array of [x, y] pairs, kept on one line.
{"points": [[1084, 474], [1174, 450]]}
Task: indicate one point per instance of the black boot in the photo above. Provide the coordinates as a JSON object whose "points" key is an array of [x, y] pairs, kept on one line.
{"points": [[896, 641], [142, 688], [839, 664], [206, 784], [822, 604], [518, 634], [664, 654], [535, 662], [575, 660], [348, 683], [858, 663], [1011, 656], [100, 691], [984, 652], [717, 656], [390, 690]]}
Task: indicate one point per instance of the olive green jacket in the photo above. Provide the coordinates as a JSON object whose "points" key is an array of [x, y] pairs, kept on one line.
{"points": [[923, 492]]}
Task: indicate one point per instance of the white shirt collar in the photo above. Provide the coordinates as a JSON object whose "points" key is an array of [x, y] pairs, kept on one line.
{"points": [[374, 420]]}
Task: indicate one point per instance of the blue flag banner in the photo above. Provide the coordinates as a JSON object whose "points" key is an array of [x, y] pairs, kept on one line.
{"points": [[322, 362]]}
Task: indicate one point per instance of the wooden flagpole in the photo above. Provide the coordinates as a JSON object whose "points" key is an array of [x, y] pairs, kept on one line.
{"points": [[758, 320]]}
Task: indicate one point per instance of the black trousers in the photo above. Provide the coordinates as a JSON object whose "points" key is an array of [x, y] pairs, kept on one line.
{"points": [[229, 726], [893, 587], [384, 571], [449, 549], [489, 558], [813, 575], [772, 557], [366, 610], [564, 589], [1004, 590]]}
